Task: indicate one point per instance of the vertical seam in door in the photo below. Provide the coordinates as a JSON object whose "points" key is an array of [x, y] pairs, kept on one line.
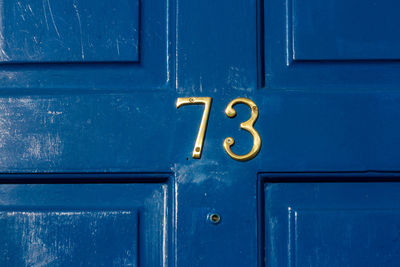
{"points": [[260, 44]]}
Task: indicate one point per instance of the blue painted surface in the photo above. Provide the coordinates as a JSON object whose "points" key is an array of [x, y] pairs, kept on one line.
{"points": [[345, 30], [69, 31], [331, 223], [104, 134], [78, 238], [143, 67], [59, 220], [360, 54]]}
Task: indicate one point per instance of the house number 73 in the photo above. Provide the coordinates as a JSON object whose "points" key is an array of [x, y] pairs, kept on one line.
{"points": [[231, 113]]}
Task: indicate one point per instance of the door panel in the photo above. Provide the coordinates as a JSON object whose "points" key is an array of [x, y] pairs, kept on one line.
{"points": [[75, 238], [69, 31], [331, 223], [344, 30], [331, 45], [83, 45], [101, 222]]}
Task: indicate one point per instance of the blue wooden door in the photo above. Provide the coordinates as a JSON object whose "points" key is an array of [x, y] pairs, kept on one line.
{"points": [[98, 166]]}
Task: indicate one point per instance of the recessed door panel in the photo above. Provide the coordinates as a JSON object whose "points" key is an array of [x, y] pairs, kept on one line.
{"points": [[69, 31], [61, 237], [332, 224], [83, 45], [77, 224], [331, 45], [345, 30]]}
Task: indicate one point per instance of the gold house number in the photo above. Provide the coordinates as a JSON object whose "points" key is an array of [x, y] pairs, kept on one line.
{"points": [[206, 101], [231, 113]]}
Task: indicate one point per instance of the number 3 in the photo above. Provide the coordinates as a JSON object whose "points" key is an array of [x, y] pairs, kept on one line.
{"points": [[247, 125]]}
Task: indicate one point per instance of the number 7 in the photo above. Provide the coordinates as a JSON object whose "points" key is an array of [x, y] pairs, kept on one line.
{"points": [[206, 101]]}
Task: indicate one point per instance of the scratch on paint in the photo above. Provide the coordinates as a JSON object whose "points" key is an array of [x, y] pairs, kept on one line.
{"points": [[30, 9], [117, 46], [191, 173], [3, 54], [45, 14], [54, 112], [52, 18], [80, 27], [237, 79], [43, 147]]}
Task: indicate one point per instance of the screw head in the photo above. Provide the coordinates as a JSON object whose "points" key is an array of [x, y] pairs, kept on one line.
{"points": [[214, 218]]}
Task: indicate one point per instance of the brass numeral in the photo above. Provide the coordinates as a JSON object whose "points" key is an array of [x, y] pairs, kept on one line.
{"points": [[247, 125], [206, 101]]}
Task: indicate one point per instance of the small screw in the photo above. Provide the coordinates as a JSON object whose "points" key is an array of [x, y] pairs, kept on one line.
{"points": [[191, 99], [214, 218]]}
